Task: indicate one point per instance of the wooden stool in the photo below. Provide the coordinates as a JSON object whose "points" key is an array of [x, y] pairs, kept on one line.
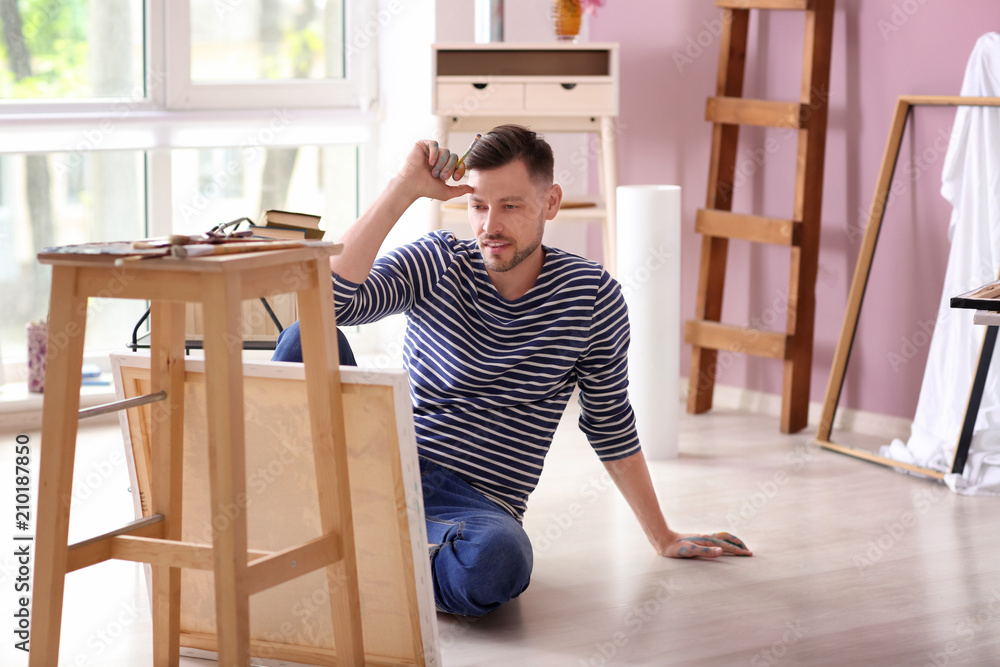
{"points": [[220, 283]]}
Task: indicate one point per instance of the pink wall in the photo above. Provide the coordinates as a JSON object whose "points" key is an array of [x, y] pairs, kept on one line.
{"points": [[882, 49]]}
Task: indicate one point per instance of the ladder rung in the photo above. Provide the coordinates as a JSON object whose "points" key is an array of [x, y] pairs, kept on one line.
{"points": [[768, 113], [748, 227], [764, 4], [716, 336]]}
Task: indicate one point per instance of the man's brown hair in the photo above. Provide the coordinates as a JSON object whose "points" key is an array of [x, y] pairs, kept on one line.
{"points": [[505, 144]]}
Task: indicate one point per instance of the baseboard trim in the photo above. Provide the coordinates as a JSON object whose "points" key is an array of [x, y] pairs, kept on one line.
{"points": [[847, 419]]}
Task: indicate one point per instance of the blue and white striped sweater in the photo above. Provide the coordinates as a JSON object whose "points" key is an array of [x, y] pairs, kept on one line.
{"points": [[490, 378]]}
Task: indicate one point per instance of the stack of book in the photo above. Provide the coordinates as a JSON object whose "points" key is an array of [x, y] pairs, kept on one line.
{"points": [[286, 225]]}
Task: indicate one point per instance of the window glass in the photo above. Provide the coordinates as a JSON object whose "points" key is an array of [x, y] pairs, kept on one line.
{"points": [[270, 40], [217, 185], [71, 49], [61, 199]]}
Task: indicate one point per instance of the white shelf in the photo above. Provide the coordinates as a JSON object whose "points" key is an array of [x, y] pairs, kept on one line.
{"points": [[987, 317]]}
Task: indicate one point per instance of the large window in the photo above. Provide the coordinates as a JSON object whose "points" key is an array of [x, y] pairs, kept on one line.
{"points": [[65, 49], [57, 200], [265, 107], [267, 40], [218, 184]]}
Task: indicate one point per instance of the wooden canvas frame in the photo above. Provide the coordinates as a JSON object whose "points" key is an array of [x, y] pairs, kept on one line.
{"points": [[904, 107], [290, 622]]}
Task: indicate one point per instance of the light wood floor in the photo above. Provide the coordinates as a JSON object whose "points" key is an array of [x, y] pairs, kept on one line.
{"points": [[855, 564]]}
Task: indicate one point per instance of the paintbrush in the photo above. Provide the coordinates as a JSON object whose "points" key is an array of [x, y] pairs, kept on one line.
{"points": [[202, 249], [183, 239], [461, 160]]}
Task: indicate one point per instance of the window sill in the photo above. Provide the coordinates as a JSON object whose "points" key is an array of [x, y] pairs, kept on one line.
{"points": [[21, 410], [149, 130]]}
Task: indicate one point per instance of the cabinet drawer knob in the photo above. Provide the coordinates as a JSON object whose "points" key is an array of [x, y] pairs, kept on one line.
{"points": [[568, 86], [480, 86]]}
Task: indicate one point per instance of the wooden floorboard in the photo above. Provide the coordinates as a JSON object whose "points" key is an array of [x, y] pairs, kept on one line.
{"points": [[855, 564]]}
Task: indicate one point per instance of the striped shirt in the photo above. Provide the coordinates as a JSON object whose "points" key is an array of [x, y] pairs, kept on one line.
{"points": [[490, 378]]}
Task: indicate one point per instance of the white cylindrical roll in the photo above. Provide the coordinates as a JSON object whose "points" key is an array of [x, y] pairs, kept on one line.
{"points": [[649, 270]]}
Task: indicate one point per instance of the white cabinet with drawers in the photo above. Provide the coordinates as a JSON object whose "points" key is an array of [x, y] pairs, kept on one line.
{"points": [[549, 87]]}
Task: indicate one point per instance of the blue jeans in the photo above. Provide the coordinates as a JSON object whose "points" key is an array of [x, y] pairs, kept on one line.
{"points": [[480, 555], [289, 347]]}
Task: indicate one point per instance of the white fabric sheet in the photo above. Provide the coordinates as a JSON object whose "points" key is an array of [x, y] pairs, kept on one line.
{"points": [[970, 181]]}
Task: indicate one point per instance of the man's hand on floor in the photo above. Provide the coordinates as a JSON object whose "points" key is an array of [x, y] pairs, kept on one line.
{"points": [[694, 545]]}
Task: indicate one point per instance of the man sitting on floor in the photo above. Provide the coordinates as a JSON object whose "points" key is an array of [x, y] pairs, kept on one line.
{"points": [[500, 329]]}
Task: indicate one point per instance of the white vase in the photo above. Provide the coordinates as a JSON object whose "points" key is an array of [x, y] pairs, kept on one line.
{"points": [[488, 21]]}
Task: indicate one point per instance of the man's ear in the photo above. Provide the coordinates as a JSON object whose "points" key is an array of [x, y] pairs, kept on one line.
{"points": [[553, 197]]}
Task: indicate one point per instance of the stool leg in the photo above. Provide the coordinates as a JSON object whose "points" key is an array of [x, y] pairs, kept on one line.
{"points": [[166, 473], [64, 358], [326, 414], [227, 466]]}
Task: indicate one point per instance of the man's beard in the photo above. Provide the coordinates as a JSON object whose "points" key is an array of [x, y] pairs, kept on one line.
{"points": [[520, 254]]}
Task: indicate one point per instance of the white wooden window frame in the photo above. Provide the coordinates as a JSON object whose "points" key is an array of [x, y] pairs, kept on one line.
{"points": [[355, 90]]}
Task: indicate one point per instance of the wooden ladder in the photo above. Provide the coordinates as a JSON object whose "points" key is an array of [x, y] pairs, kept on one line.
{"points": [[717, 223]]}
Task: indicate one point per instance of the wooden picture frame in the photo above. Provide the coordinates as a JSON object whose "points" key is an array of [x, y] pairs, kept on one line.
{"points": [[291, 622], [904, 108]]}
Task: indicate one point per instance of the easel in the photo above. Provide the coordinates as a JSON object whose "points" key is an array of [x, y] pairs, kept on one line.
{"points": [[727, 111], [220, 283], [904, 108]]}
